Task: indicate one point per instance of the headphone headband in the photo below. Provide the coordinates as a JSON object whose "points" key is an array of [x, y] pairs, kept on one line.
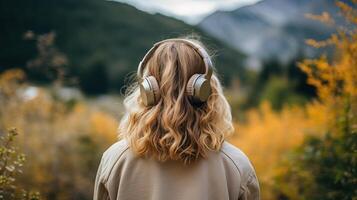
{"points": [[202, 52]]}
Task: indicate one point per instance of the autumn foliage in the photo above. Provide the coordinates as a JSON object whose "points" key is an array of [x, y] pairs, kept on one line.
{"points": [[62, 139], [309, 152]]}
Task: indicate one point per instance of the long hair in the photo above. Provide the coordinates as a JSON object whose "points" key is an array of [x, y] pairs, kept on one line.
{"points": [[174, 128]]}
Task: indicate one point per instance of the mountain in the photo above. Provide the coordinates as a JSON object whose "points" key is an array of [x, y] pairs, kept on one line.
{"points": [[103, 40], [271, 29]]}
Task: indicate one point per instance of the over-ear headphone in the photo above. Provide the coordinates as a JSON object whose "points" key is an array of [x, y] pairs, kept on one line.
{"points": [[198, 86]]}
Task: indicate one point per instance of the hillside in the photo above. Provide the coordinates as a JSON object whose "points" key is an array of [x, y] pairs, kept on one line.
{"points": [[271, 28], [103, 40]]}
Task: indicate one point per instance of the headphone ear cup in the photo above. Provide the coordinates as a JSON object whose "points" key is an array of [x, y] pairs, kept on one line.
{"points": [[199, 88], [190, 89], [155, 88], [149, 91]]}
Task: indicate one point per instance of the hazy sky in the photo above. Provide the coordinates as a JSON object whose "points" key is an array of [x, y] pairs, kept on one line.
{"points": [[190, 11]]}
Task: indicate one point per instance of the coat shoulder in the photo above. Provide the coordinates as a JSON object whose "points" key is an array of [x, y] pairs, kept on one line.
{"points": [[239, 159], [112, 155]]}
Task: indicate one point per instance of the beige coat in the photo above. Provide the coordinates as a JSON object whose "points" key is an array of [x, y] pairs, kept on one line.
{"points": [[224, 175]]}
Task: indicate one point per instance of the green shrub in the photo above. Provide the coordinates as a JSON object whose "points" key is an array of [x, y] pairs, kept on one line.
{"points": [[11, 162]]}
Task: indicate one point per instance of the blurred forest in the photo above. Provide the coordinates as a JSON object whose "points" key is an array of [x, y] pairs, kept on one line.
{"points": [[103, 40], [63, 65]]}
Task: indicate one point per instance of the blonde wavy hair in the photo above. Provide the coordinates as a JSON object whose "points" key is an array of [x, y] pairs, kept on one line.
{"points": [[174, 128]]}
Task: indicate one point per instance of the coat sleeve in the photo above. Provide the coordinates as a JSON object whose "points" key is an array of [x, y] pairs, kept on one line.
{"points": [[100, 191], [251, 190]]}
